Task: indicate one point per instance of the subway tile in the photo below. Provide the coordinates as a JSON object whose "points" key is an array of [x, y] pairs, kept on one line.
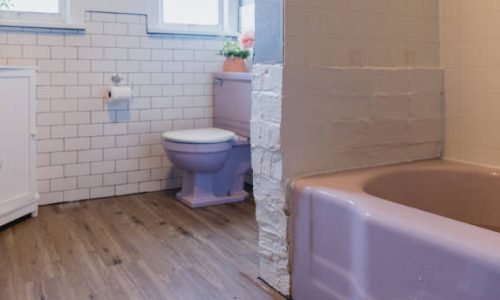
{"points": [[21, 38], [94, 27], [79, 134], [64, 158], [115, 29], [50, 146], [149, 42], [115, 153], [139, 54], [76, 195], [63, 78], [99, 40], [115, 179], [115, 53], [50, 92], [137, 29], [103, 167], [49, 172], [36, 52], [104, 66], [90, 130], [50, 65], [63, 52], [138, 176], [130, 18], [77, 144], [66, 131], [128, 42], [77, 91], [77, 40], [103, 17], [90, 53], [101, 142], [127, 165], [90, 181], [76, 169], [77, 65], [50, 119], [62, 184], [102, 192]]}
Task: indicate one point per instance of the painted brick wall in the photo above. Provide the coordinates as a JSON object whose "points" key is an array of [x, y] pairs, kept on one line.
{"points": [[267, 164], [89, 149]]}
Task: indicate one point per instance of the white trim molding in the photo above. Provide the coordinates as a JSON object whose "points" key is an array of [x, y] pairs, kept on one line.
{"points": [[73, 12]]}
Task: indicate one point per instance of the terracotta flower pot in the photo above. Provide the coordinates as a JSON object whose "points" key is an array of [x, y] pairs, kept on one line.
{"points": [[235, 64]]}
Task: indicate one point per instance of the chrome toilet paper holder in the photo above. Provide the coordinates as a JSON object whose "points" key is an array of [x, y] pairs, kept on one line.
{"points": [[116, 78]]}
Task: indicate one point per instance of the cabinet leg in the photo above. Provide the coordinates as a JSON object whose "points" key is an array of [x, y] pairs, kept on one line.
{"points": [[34, 214]]}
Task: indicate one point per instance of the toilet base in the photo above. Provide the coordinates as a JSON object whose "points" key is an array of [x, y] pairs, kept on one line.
{"points": [[209, 200]]}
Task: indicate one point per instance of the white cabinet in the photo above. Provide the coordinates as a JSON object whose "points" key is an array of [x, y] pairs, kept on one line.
{"points": [[18, 196]]}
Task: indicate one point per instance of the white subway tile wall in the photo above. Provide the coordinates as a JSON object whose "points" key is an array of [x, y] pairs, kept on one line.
{"points": [[88, 148]]}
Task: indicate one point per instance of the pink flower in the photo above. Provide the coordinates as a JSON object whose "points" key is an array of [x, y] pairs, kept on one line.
{"points": [[247, 40]]}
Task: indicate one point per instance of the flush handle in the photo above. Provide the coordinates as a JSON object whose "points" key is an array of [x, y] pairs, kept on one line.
{"points": [[218, 82], [1, 163]]}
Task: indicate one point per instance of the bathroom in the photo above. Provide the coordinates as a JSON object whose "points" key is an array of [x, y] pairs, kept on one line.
{"points": [[368, 126]]}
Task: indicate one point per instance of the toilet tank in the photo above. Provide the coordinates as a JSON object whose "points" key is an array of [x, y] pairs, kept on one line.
{"points": [[233, 102]]}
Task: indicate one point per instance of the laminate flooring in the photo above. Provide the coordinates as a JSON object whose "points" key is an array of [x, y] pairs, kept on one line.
{"points": [[146, 246]]}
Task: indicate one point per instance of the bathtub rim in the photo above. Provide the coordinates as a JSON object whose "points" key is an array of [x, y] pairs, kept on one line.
{"points": [[347, 188]]}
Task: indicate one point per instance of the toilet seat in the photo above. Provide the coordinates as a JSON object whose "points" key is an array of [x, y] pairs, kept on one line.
{"points": [[199, 136]]}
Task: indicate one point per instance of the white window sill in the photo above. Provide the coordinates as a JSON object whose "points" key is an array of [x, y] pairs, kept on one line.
{"points": [[15, 67], [41, 24], [160, 30]]}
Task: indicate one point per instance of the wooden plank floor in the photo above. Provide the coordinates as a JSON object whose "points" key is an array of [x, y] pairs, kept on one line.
{"points": [[146, 246]]}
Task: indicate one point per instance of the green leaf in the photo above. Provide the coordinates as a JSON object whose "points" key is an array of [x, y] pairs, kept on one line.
{"points": [[233, 49]]}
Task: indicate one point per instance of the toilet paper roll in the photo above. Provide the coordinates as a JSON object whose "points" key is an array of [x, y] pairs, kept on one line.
{"points": [[119, 93]]}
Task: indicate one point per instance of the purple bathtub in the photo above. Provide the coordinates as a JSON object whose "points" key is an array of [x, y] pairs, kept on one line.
{"points": [[426, 230]]}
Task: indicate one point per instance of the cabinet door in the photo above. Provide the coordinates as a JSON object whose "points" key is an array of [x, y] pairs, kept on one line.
{"points": [[16, 145]]}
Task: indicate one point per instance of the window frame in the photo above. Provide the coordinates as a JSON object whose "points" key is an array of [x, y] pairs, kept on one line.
{"points": [[228, 21], [13, 15]]}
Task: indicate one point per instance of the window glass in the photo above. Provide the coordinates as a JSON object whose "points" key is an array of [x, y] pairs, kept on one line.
{"points": [[191, 12], [38, 6]]}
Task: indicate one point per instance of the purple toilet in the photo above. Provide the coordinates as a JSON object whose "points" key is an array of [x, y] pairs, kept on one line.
{"points": [[215, 160]]}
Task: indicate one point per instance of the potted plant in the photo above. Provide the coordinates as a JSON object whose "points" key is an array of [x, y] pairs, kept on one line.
{"points": [[236, 52]]}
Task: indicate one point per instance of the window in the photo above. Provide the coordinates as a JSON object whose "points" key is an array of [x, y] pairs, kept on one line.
{"points": [[45, 10], [200, 16]]}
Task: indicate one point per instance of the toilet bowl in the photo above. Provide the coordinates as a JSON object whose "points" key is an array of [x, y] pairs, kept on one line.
{"points": [[214, 162]]}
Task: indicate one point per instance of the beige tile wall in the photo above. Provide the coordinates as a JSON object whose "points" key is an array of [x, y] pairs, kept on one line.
{"points": [[349, 118], [353, 76], [362, 32], [471, 57], [361, 87]]}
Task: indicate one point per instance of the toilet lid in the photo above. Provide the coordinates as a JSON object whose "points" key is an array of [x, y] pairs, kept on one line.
{"points": [[199, 136]]}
